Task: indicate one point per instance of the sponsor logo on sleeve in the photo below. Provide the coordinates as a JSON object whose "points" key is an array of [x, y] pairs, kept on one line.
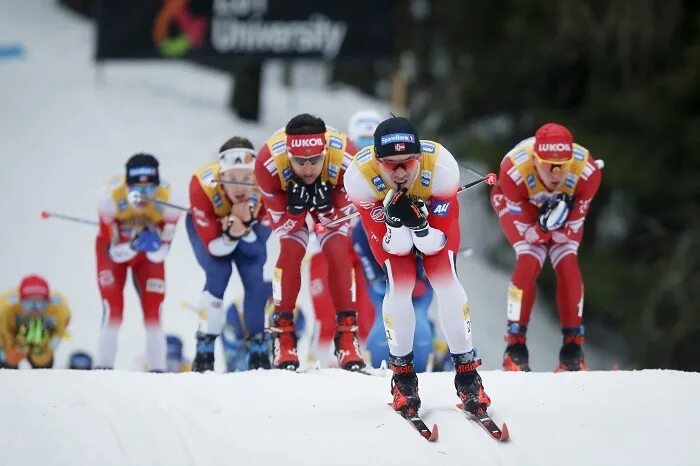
{"points": [[279, 147], [216, 200], [122, 205], [379, 183], [530, 181], [427, 147], [332, 170], [335, 142], [364, 156], [425, 178], [287, 174], [440, 208]]}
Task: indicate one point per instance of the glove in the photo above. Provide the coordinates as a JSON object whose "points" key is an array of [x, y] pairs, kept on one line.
{"points": [[146, 241], [321, 197], [553, 214], [298, 198], [535, 235], [400, 210]]}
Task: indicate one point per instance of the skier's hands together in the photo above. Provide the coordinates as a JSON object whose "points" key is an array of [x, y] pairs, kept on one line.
{"points": [[321, 197], [553, 214], [298, 198], [400, 210]]}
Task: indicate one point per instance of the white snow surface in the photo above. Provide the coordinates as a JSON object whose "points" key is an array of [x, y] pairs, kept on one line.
{"points": [[331, 417]]}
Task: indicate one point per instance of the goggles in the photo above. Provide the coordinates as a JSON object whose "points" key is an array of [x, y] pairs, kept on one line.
{"points": [[148, 190], [394, 164], [34, 305], [551, 162], [313, 160]]}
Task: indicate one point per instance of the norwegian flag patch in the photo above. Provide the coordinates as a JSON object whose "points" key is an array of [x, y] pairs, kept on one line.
{"points": [[399, 147]]}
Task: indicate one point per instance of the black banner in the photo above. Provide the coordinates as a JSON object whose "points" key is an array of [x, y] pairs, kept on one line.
{"points": [[257, 29]]}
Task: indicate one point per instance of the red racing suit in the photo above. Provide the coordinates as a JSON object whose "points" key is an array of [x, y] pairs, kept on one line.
{"points": [[272, 172], [516, 199]]}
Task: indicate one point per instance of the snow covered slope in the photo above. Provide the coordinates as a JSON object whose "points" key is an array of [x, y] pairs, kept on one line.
{"points": [[647, 418], [68, 125]]}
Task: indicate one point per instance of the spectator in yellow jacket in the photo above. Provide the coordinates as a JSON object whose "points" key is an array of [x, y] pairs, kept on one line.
{"points": [[33, 322]]}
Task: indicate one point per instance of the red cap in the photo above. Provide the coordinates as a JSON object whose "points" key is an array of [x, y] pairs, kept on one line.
{"points": [[306, 145], [33, 286], [554, 143]]}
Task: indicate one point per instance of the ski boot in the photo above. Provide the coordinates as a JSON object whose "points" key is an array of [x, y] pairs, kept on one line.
{"points": [[468, 383], [204, 359], [516, 356], [347, 345], [259, 352], [571, 354], [284, 341], [404, 384]]}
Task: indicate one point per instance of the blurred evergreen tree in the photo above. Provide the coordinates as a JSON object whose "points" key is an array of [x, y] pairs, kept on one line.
{"points": [[624, 76]]}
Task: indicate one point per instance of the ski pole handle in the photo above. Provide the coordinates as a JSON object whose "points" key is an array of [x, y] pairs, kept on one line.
{"points": [[489, 178], [45, 214]]}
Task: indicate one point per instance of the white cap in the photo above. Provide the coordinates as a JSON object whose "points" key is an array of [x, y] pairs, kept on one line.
{"points": [[363, 123], [240, 157]]}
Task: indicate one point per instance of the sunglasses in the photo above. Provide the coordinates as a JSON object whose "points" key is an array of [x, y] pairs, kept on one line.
{"points": [[549, 163], [144, 189], [396, 163], [313, 160], [30, 305]]}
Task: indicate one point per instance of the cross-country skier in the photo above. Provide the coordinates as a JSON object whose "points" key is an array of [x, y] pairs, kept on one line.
{"points": [[300, 171], [33, 322], [224, 230], [135, 232], [406, 192], [545, 188]]}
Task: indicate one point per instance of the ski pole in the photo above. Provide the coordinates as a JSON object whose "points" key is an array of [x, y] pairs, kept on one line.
{"points": [[45, 214], [237, 183], [135, 197], [489, 179]]}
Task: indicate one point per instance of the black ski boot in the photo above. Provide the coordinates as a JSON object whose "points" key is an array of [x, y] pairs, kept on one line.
{"points": [[204, 359], [571, 353], [259, 352], [516, 357], [404, 384], [468, 383]]}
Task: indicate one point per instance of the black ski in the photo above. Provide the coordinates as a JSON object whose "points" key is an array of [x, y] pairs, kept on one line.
{"points": [[418, 424], [485, 421]]}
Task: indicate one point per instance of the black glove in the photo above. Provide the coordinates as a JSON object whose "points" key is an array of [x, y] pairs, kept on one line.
{"points": [[400, 210], [321, 197], [553, 214], [298, 198]]}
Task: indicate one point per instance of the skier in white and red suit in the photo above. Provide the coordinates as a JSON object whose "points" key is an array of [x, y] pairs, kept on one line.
{"points": [[406, 192], [545, 188], [300, 171], [135, 233]]}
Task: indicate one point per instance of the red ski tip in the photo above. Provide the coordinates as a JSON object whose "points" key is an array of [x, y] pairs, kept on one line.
{"points": [[505, 435], [491, 179], [434, 434], [320, 229], [45, 214]]}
